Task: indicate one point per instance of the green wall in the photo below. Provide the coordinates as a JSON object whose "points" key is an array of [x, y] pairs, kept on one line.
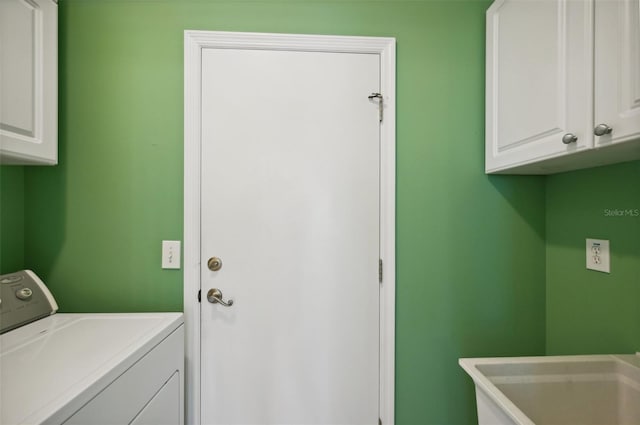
{"points": [[11, 219], [589, 311], [470, 248]]}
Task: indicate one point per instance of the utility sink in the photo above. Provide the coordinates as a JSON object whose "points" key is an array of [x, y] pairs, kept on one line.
{"points": [[558, 390]]}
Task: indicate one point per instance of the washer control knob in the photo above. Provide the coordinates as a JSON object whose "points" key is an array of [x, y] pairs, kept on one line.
{"points": [[24, 294]]}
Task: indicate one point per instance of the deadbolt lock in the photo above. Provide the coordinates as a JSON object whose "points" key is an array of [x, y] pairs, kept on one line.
{"points": [[214, 264]]}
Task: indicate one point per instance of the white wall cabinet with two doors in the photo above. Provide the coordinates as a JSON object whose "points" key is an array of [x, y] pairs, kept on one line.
{"points": [[28, 82], [562, 85]]}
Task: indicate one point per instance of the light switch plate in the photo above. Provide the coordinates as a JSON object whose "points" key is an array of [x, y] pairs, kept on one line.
{"points": [[170, 254], [598, 257]]}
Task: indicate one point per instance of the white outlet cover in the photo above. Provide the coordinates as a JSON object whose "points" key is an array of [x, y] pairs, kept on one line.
{"points": [[598, 257]]}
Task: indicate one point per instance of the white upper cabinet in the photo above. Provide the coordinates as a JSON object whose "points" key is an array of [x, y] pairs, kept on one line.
{"points": [[617, 70], [538, 88], [544, 97], [28, 82]]}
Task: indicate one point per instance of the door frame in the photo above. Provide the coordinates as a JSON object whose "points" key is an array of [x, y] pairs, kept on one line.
{"points": [[194, 43]]}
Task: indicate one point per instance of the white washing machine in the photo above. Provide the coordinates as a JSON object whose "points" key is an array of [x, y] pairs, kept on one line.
{"points": [[84, 369]]}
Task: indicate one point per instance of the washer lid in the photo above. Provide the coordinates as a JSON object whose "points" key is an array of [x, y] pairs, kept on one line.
{"points": [[64, 360]]}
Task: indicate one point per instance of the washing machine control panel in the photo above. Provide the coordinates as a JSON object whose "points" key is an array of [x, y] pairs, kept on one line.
{"points": [[23, 299]]}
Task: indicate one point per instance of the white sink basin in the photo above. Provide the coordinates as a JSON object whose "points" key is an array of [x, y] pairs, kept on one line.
{"points": [[558, 390]]}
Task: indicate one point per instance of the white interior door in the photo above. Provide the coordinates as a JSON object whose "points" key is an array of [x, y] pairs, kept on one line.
{"points": [[290, 194]]}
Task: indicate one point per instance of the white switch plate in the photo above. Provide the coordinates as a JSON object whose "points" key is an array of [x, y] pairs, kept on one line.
{"points": [[170, 254], [598, 255]]}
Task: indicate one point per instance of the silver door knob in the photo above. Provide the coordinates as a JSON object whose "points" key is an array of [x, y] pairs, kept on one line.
{"points": [[569, 138], [602, 129], [214, 264], [214, 296]]}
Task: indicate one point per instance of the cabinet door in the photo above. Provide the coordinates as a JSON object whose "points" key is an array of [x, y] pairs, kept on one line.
{"points": [[538, 82], [617, 69], [28, 82]]}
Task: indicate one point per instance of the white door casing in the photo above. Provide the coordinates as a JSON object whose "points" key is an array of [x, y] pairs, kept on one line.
{"points": [[221, 46]]}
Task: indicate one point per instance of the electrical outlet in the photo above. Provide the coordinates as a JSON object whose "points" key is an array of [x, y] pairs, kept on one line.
{"points": [[598, 255], [170, 254]]}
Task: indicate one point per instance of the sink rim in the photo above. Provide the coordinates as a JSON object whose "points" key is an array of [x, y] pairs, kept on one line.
{"points": [[484, 383]]}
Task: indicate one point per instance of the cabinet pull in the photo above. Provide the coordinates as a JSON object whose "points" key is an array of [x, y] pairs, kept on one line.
{"points": [[602, 129], [569, 138]]}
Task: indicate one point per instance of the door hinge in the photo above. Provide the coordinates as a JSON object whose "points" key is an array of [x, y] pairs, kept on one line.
{"points": [[380, 103], [380, 270], [199, 294]]}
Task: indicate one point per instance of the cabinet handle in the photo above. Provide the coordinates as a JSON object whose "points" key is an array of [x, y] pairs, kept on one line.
{"points": [[602, 129], [569, 138]]}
